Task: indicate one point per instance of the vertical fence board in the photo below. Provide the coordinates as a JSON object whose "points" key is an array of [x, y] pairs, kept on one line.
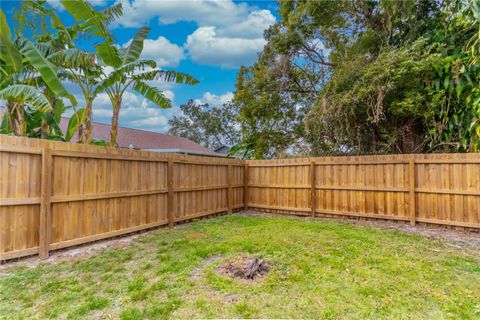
{"points": [[96, 192], [312, 187], [45, 229], [411, 170], [170, 200]]}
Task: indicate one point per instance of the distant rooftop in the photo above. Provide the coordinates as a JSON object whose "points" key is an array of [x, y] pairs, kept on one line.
{"points": [[143, 140], [146, 140]]}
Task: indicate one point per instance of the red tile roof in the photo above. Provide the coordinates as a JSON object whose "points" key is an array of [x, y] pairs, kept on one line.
{"points": [[141, 139]]}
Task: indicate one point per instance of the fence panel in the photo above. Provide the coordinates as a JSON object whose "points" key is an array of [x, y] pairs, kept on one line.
{"points": [[20, 189], [431, 188], [280, 186], [56, 195]]}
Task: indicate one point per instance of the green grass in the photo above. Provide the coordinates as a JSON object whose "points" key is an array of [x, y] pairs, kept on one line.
{"points": [[319, 269]]}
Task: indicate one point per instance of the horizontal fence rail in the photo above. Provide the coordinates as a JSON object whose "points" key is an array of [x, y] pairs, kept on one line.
{"points": [[55, 195], [435, 188]]}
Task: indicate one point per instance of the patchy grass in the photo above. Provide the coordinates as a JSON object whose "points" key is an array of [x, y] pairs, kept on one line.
{"points": [[319, 269]]}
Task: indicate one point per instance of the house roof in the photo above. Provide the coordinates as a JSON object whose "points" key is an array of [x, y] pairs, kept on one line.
{"points": [[222, 149], [145, 140]]}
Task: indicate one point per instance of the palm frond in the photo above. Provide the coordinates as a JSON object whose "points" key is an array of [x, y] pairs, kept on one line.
{"points": [[123, 73], [167, 76], [9, 55], [29, 94], [44, 48], [46, 69], [113, 12], [152, 94], [73, 58], [95, 22], [135, 48]]}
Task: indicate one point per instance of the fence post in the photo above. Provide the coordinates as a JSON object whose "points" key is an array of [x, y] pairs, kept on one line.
{"points": [[411, 169], [229, 190], [312, 181], [245, 187], [170, 197], [45, 229]]}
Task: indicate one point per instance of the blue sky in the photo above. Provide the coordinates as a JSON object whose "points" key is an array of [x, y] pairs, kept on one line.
{"points": [[207, 39]]}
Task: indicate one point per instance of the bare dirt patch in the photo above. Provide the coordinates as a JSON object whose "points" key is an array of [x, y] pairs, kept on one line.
{"points": [[70, 254], [458, 239], [244, 268]]}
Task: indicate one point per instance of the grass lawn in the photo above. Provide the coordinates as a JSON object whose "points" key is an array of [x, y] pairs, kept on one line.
{"points": [[319, 269]]}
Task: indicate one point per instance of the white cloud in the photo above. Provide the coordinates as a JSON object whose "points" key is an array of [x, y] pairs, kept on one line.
{"points": [[214, 100], [165, 53], [234, 19], [252, 27], [203, 12], [206, 47], [169, 94], [158, 121], [229, 34], [136, 112]]}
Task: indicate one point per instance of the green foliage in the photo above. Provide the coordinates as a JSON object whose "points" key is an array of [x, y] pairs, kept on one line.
{"points": [[9, 56], [455, 83], [96, 23], [371, 77], [151, 93], [23, 93], [75, 120], [46, 52], [46, 69], [132, 72], [271, 119], [135, 48], [212, 127], [28, 91]]}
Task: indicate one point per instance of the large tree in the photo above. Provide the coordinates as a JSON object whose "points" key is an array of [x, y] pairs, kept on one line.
{"points": [[212, 127], [372, 77]]}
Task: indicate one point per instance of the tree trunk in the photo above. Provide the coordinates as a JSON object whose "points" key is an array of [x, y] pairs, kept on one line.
{"points": [[116, 111], [20, 119], [88, 121], [44, 129], [11, 116], [81, 133]]}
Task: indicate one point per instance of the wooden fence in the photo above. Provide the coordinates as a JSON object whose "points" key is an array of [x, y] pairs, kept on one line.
{"points": [[434, 188], [55, 195]]}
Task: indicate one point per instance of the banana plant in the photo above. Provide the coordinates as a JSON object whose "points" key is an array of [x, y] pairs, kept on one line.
{"points": [[20, 62], [134, 73], [74, 65], [88, 76], [96, 23], [129, 71]]}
